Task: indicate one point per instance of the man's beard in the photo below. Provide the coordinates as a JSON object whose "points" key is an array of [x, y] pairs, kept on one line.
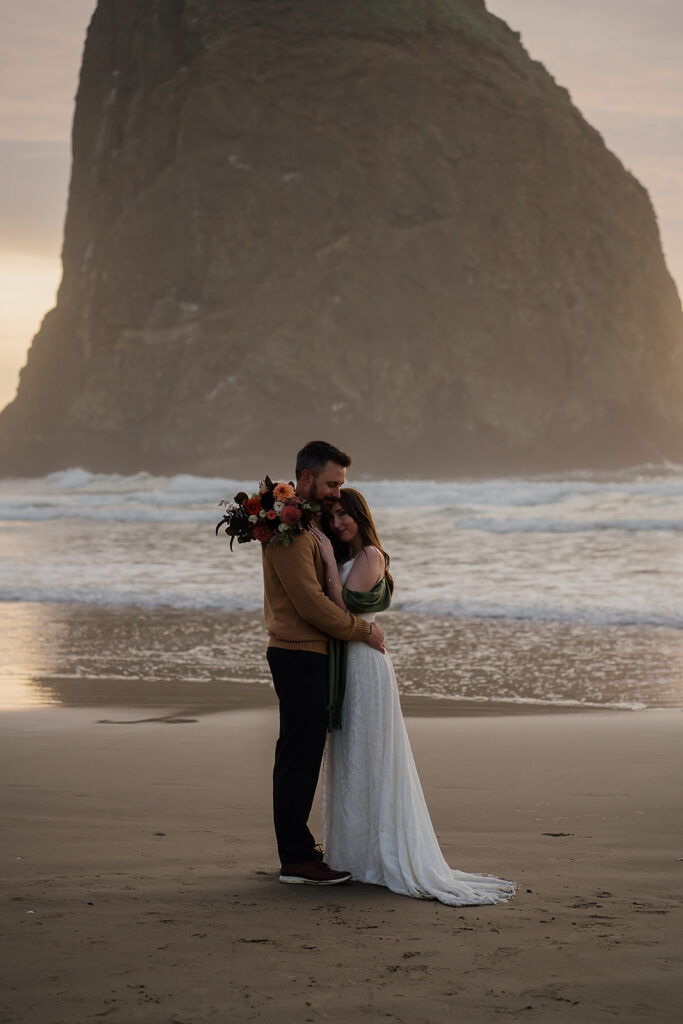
{"points": [[325, 503]]}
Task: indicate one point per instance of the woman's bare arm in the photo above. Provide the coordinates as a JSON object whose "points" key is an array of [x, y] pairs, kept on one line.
{"points": [[333, 585]]}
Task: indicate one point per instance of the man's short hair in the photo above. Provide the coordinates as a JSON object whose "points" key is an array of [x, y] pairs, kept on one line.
{"points": [[316, 454]]}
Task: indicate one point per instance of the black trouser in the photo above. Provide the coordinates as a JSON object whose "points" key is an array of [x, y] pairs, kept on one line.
{"points": [[301, 684]]}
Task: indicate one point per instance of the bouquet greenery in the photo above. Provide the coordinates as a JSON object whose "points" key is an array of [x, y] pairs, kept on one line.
{"points": [[273, 515]]}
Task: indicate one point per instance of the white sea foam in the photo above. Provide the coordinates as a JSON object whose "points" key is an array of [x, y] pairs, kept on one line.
{"points": [[132, 597], [602, 616], [205, 598], [547, 525], [142, 497], [562, 702], [69, 478], [152, 512]]}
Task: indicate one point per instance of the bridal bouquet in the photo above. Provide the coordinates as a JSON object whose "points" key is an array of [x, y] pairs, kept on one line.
{"points": [[274, 515]]}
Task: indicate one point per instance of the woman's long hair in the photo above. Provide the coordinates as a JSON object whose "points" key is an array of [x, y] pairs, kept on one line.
{"points": [[355, 505]]}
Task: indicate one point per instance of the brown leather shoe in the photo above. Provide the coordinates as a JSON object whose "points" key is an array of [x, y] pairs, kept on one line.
{"points": [[312, 872]]}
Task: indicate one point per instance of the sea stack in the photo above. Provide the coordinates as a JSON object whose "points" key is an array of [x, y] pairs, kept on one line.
{"points": [[376, 220]]}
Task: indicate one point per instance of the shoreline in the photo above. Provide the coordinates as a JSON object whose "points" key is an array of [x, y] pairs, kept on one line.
{"points": [[256, 698], [80, 655], [94, 696]]}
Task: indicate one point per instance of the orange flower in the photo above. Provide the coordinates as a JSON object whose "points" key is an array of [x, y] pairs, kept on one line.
{"points": [[282, 492], [271, 514], [253, 506]]}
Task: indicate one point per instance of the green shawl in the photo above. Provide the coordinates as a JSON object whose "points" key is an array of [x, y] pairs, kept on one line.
{"points": [[360, 602]]}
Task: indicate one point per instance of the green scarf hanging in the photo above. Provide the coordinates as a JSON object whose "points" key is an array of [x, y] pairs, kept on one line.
{"points": [[360, 602]]}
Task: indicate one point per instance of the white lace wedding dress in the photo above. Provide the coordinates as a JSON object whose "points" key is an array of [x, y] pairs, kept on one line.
{"points": [[375, 821]]}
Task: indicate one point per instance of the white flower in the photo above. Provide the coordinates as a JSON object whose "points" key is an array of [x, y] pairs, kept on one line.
{"points": [[253, 519], [278, 506], [262, 514], [283, 527]]}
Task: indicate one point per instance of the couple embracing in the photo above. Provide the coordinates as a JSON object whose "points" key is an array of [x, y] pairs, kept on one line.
{"points": [[321, 594]]}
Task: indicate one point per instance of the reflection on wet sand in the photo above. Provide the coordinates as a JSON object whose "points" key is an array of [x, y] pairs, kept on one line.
{"points": [[181, 664], [88, 656]]}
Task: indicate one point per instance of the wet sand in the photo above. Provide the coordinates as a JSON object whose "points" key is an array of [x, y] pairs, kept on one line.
{"points": [[209, 660], [141, 884]]}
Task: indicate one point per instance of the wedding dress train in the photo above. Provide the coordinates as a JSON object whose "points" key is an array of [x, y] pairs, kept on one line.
{"points": [[375, 821]]}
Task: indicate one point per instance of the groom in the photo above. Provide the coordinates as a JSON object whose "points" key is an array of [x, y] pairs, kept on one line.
{"points": [[299, 619]]}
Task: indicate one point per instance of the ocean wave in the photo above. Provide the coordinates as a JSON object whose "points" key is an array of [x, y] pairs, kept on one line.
{"points": [[105, 513], [205, 599], [141, 483], [562, 702], [75, 487], [598, 617], [159, 509], [545, 525]]}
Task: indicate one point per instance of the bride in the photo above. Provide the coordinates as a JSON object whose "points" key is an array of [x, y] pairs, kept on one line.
{"points": [[375, 820]]}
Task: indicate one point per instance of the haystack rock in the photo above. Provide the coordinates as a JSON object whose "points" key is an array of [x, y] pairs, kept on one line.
{"points": [[378, 221]]}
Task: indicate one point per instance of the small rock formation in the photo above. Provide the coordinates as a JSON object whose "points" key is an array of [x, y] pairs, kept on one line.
{"points": [[376, 221]]}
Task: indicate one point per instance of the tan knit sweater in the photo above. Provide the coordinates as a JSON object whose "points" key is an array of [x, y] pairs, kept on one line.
{"points": [[299, 616]]}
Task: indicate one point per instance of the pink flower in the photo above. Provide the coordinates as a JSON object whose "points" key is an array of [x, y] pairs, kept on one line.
{"points": [[290, 514], [282, 492], [262, 533]]}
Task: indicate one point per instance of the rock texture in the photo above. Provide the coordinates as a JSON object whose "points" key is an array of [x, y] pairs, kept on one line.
{"points": [[378, 221]]}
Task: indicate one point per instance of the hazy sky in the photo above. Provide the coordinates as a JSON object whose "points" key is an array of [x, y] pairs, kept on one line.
{"points": [[620, 59]]}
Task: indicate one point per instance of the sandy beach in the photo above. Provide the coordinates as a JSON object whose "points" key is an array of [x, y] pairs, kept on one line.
{"points": [[141, 875]]}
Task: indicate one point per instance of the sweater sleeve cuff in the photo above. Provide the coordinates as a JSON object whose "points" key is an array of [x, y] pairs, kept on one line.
{"points": [[361, 631]]}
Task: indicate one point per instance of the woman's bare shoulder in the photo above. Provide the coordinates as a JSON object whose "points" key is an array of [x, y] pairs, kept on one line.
{"points": [[371, 554], [367, 570]]}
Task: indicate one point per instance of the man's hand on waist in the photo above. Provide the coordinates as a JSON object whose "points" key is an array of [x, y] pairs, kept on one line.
{"points": [[375, 639]]}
